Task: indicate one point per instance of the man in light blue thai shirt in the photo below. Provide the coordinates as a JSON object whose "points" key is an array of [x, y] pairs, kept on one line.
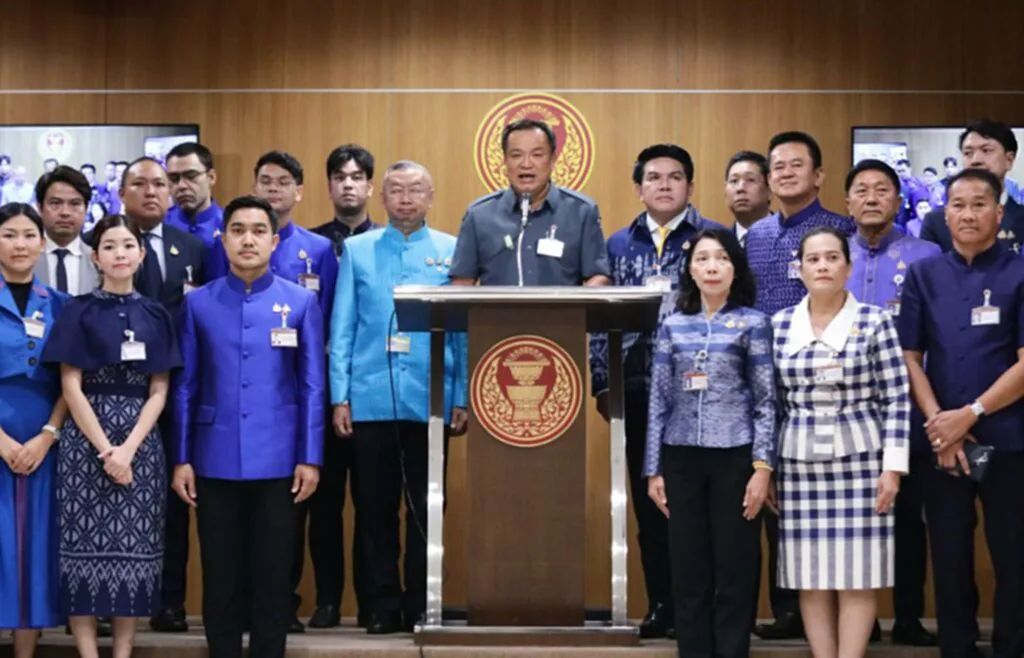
{"points": [[881, 255], [379, 378]]}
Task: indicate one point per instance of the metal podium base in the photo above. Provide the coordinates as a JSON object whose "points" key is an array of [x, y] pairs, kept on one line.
{"points": [[589, 635]]}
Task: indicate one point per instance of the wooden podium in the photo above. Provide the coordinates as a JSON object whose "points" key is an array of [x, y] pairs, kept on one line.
{"points": [[526, 457]]}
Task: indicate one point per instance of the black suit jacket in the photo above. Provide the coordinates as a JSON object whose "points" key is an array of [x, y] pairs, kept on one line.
{"points": [[181, 251]]}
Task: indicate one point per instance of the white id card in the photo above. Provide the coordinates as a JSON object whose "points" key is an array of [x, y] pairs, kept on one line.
{"points": [[894, 307], [133, 351], [284, 337], [550, 247], [399, 344], [984, 316], [828, 374], [660, 283], [794, 269], [695, 381], [34, 328], [310, 282]]}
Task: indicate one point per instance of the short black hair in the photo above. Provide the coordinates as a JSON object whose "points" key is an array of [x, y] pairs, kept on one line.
{"points": [[67, 175], [903, 161], [5, 158], [990, 129], [528, 124], [797, 137], [14, 209], [871, 164], [128, 164], [983, 175], [145, 158], [110, 162], [949, 160], [254, 202], [743, 291], [825, 230], [282, 159], [346, 153], [186, 149], [931, 169], [673, 151], [88, 165], [113, 221], [748, 156]]}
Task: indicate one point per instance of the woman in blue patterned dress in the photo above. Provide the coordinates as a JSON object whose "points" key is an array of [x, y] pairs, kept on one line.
{"points": [[115, 349], [711, 445], [30, 412]]}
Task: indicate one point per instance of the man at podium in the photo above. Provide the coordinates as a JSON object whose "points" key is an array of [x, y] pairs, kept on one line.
{"points": [[533, 233]]}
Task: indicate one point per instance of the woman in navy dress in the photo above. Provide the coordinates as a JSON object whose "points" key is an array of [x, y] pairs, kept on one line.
{"points": [[115, 349], [30, 412]]}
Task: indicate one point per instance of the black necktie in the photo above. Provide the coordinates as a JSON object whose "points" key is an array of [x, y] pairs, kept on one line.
{"points": [[150, 280], [62, 270]]}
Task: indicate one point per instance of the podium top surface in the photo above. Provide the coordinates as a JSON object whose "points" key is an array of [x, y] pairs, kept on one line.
{"points": [[607, 308]]}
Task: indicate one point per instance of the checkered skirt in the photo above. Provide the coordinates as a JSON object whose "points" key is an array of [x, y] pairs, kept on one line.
{"points": [[830, 537]]}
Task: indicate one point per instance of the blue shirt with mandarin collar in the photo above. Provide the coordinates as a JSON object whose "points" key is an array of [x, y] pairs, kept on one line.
{"points": [[772, 245], [289, 261], [964, 360], [243, 408], [878, 276]]}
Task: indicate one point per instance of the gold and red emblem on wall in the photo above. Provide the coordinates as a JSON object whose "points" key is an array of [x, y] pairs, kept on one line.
{"points": [[574, 150], [526, 391]]}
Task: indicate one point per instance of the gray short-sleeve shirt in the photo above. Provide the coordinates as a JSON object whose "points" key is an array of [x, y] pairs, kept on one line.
{"points": [[488, 241]]}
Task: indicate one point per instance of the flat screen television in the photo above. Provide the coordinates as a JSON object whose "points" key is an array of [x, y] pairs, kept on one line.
{"points": [[924, 156], [101, 151]]}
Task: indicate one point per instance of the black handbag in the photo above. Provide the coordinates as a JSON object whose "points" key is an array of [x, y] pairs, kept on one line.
{"points": [[978, 458]]}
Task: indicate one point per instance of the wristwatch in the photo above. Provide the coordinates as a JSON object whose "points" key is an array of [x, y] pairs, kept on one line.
{"points": [[977, 408], [52, 430]]}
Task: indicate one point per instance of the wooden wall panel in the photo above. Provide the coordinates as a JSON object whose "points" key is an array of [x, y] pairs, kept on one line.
{"points": [[413, 80]]}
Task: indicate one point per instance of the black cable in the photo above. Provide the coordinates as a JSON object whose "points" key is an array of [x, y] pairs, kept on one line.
{"points": [[409, 504]]}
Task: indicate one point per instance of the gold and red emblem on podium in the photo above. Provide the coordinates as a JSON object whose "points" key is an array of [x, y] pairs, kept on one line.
{"points": [[526, 391], [574, 150]]}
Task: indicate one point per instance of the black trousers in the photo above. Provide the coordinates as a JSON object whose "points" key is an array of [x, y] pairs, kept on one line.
{"points": [[176, 539], [952, 516], [238, 518], [652, 527], [382, 454], [783, 601], [716, 553], [326, 531], [911, 544]]}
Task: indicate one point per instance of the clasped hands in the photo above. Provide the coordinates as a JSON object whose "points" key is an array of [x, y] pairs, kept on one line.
{"points": [[947, 431], [117, 463]]}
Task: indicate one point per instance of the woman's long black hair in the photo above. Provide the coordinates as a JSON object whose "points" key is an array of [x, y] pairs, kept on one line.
{"points": [[743, 291]]}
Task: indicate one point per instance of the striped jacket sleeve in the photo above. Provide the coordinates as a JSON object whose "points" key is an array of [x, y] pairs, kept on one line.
{"points": [[892, 389]]}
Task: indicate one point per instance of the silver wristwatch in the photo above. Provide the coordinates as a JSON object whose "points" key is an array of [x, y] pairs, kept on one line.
{"points": [[52, 430], [977, 408]]}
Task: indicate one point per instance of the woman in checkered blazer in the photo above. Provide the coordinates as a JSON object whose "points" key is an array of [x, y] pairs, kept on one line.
{"points": [[844, 442]]}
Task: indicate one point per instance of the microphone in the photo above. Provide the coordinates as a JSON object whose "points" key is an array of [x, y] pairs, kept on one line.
{"points": [[524, 206]]}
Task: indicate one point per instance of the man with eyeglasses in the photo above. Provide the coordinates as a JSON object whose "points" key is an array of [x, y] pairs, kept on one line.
{"points": [[192, 177]]}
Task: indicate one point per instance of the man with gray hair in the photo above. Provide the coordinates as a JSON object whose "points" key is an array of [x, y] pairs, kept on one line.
{"points": [[379, 382]]}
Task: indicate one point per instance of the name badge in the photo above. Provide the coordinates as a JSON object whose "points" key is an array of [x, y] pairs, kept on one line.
{"points": [[399, 344], [34, 328], [508, 242], [985, 315], [310, 282], [659, 282], [132, 350], [284, 337], [894, 307], [695, 381], [828, 374], [794, 269], [550, 247]]}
